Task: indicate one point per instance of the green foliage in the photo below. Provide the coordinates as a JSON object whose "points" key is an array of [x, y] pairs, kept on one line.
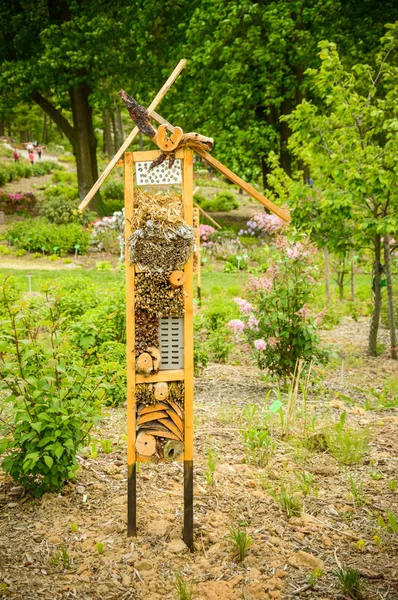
{"points": [[51, 398], [357, 491], [18, 203], [211, 466], [200, 357], [40, 235], [66, 191], [348, 445], [61, 557], [184, 590], [112, 363], [350, 582], [113, 190], [241, 541], [61, 210], [14, 171], [100, 546], [220, 202], [289, 503]]}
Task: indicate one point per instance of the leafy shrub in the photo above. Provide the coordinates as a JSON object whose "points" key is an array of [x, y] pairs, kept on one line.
{"points": [[109, 207], [205, 233], [234, 264], [200, 359], [221, 202], [61, 176], [51, 398], [17, 203], [347, 445], [112, 364], [43, 167], [62, 210], [13, 171], [277, 323], [5, 249], [113, 190], [40, 235], [67, 191]]}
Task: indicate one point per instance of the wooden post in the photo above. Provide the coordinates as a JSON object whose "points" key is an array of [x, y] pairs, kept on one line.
{"points": [[131, 455], [198, 265], [187, 193]]}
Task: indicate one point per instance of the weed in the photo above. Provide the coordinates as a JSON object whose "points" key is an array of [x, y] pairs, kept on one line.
{"points": [[100, 547], [348, 445], [184, 590], [107, 446], [74, 527], [103, 265], [384, 399], [94, 449], [211, 466], [306, 483], [241, 541], [315, 575], [62, 556], [377, 540], [357, 492], [393, 485], [350, 582], [289, 503], [376, 475], [259, 446], [360, 545]]}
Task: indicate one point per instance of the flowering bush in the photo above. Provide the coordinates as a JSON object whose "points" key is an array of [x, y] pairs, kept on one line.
{"points": [[108, 232], [205, 231], [16, 203], [262, 224], [275, 319]]}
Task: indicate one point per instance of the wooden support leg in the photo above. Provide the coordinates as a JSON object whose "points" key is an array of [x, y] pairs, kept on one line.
{"points": [[188, 503], [132, 500]]}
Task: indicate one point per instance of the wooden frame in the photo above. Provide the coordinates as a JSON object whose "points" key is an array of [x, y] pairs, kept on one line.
{"points": [[185, 374]]}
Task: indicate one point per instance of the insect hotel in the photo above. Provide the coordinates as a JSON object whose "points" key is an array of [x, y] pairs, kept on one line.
{"points": [[161, 242]]}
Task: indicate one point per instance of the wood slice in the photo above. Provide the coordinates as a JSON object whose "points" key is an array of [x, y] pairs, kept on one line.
{"points": [[177, 278], [172, 450], [155, 354], [176, 420], [145, 444], [160, 391], [155, 425], [144, 363], [170, 425], [153, 408], [176, 408], [164, 434], [153, 416]]}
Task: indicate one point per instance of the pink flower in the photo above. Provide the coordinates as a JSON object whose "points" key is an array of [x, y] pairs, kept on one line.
{"points": [[260, 344], [252, 322], [236, 325], [244, 305], [303, 312], [272, 342], [293, 252], [311, 280], [261, 283]]}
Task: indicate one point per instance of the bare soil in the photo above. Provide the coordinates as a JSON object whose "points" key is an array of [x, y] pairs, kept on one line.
{"points": [[284, 552]]}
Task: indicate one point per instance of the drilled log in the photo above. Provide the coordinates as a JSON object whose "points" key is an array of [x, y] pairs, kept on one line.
{"points": [[177, 278], [144, 363], [161, 391], [145, 444], [155, 354]]}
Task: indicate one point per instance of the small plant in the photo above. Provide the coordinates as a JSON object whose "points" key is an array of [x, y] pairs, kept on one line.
{"points": [[314, 577], [259, 446], [376, 475], [183, 588], [107, 446], [391, 525], [306, 483], [94, 449], [393, 485], [348, 445], [357, 492], [289, 503], [100, 546], [241, 541], [350, 582], [103, 265], [74, 527], [61, 557], [211, 467], [360, 545]]}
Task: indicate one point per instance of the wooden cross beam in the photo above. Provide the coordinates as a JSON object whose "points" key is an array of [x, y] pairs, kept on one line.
{"points": [[159, 97]]}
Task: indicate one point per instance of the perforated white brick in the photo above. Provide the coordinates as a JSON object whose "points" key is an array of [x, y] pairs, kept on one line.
{"points": [[171, 342], [161, 175]]}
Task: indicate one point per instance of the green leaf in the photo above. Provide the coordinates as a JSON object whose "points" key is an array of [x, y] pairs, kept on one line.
{"points": [[48, 460]]}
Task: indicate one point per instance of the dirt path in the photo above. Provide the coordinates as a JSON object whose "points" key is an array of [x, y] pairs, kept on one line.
{"points": [[284, 552]]}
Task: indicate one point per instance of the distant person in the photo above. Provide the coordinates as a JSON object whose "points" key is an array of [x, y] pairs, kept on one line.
{"points": [[39, 150], [29, 147], [31, 157], [15, 155]]}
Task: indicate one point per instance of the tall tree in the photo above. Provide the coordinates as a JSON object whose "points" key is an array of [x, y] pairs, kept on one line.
{"points": [[350, 142]]}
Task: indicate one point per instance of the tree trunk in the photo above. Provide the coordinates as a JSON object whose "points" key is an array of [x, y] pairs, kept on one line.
{"points": [[107, 137], [374, 323], [119, 137], [85, 142], [327, 274], [285, 132], [44, 136], [2, 128], [391, 315], [352, 277]]}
